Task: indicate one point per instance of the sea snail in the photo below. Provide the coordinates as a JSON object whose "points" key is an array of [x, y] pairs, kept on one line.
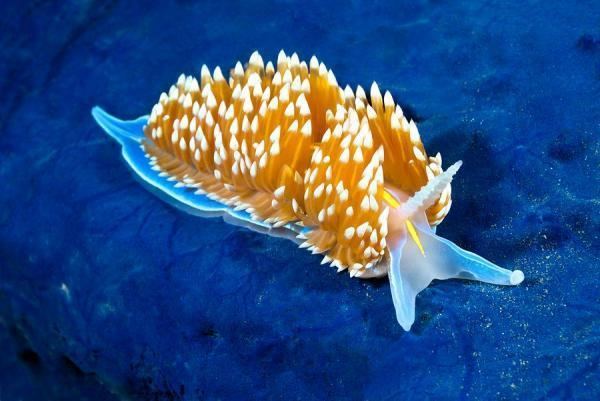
{"points": [[283, 149]]}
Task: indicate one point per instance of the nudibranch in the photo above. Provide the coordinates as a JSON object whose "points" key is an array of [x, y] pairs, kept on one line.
{"points": [[283, 149]]}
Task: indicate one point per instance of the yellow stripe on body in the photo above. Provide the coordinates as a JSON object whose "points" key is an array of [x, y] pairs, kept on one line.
{"points": [[391, 200]]}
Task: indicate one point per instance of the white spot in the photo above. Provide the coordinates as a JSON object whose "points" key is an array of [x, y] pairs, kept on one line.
{"points": [[305, 86], [364, 204], [281, 57], [418, 154], [247, 107], [237, 91], [414, 133], [222, 109], [395, 121], [331, 210], [344, 195], [238, 70], [345, 156], [375, 94], [184, 123], [387, 100], [187, 101], [253, 80], [209, 120], [322, 70], [294, 60], [373, 237], [204, 72], [296, 84], [358, 156], [306, 129], [331, 78], [211, 101], [303, 105], [65, 290], [256, 59], [371, 113], [321, 215], [218, 75], [266, 95], [516, 277], [274, 137], [360, 230], [319, 190], [269, 68], [279, 191], [289, 110], [274, 150]]}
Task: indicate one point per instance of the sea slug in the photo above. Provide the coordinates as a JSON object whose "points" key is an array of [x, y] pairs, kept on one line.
{"points": [[283, 149]]}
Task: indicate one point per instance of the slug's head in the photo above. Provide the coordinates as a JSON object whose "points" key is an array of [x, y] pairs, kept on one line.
{"points": [[399, 224]]}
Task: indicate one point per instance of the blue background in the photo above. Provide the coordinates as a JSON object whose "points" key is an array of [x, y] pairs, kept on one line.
{"points": [[108, 293]]}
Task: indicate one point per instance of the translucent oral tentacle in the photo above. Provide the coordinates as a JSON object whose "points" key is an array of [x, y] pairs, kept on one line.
{"points": [[461, 263], [410, 271], [403, 295], [473, 267]]}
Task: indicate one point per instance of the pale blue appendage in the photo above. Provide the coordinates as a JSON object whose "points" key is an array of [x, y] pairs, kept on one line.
{"points": [[411, 272], [130, 134]]}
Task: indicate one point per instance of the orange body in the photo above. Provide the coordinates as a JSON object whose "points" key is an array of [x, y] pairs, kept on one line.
{"points": [[288, 145]]}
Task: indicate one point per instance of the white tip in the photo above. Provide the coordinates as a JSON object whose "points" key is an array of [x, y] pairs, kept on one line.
{"points": [[395, 122], [279, 191], [238, 70], [326, 259], [187, 101], [345, 156], [204, 72], [306, 129], [360, 93], [294, 60], [302, 104], [414, 133], [331, 78], [388, 101], [517, 277], [256, 59], [218, 74], [375, 93], [269, 68], [281, 57]]}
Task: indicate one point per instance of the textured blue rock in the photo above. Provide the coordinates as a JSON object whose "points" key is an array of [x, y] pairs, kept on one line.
{"points": [[105, 291]]}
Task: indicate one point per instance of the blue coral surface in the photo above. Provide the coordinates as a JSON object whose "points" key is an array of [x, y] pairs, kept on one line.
{"points": [[108, 293]]}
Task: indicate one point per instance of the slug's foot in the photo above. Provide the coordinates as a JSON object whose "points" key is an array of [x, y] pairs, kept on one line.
{"points": [[119, 129]]}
